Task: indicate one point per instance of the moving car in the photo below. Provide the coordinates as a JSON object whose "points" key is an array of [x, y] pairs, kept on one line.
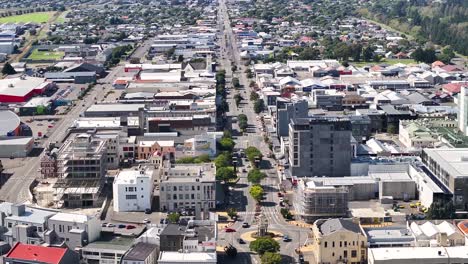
{"points": [[229, 230], [241, 241], [245, 225], [286, 238]]}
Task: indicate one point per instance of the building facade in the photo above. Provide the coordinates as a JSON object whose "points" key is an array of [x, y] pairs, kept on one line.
{"points": [[320, 146], [133, 190]]}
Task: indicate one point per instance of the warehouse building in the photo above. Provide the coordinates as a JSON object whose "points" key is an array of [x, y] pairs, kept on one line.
{"points": [[20, 89], [10, 124], [17, 147]]}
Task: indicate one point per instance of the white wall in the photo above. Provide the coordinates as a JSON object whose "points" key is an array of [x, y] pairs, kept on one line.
{"points": [[141, 190]]}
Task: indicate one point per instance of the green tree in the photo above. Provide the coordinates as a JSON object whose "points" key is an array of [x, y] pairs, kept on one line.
{"points": [[368, 54], [222, 160], [173, 217], [235, 82], [225, 174], [271, 258], [226, 144], [231, 212], [255, 176], [264, 244], [238, 98], [286, 213], [309, 53], [256, 192], [242, 121], [441, 210], [202, 158], [253, 96], [252, 153], [259, 106], [8, 69]]}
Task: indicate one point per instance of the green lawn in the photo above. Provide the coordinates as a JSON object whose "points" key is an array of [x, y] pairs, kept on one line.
{"points": [[46, 55], [384, 61], [39, 17]]}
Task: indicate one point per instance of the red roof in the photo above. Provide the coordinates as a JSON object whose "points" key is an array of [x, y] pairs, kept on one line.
{"points": [[454, 87], [450, 68], [50, 255]]}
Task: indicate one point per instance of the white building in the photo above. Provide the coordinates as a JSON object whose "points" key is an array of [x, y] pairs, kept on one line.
{"points": [[185, 186], [76, 230], [463, 110], [418, 255], [133, 190], [441, 234], [183, 258]]}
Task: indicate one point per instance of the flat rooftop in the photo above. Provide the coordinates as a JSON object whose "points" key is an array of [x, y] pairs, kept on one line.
{"points": [[193, 257], [419, 253], [389, 235], [115, 107], [130, 176], [111, 242], [454, 161]]}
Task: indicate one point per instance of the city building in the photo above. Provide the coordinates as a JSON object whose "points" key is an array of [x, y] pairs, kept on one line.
{"points": [[10, 124], [75, 230], [21, 89], [107, 249], [426, 255], [463, 110], [313, 200], [320, 146], [389, 236], [81, 168], [188, 186], [32, 254], [141, 253], [447, 166], [327, 99], [191, 257], [437, 233], [23, 224], [338, 240], [192, 236], [16, 147], [285, 111], [133, 190]]}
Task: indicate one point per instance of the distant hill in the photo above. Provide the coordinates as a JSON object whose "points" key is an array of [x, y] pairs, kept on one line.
{"points": [[444, 22]]}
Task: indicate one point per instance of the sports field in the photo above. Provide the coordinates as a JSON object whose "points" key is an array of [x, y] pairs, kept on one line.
{"points": [[39, 17], [46, 55]]}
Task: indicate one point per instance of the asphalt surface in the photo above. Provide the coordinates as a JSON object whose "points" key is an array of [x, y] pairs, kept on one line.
{"points": [[239, 197]]}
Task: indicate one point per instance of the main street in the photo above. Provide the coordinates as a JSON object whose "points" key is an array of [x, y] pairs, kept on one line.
{"points": [[16, 188], [239, 196]]}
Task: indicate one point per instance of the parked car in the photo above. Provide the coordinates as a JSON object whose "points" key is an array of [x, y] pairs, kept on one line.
{"points": [[104, 224], [131, 227], [245, 225], [121, 226], [241, 241], [148, 211], [229, 230], [280, 194], [110, 225], [146, 221]]}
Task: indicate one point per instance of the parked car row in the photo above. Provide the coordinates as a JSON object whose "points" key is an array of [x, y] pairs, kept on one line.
{"points": [[110, 225]]}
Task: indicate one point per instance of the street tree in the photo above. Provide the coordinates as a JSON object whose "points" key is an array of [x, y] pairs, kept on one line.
{"points": [[8, 69], [225, 174], [255, 176], [235, 82], [252, 153], [271, 258], [238, 98], [173, 217], [256, 192], [264, 244], [231, 212], [226, 144], [222, 160], [253, 96], [259, 106]]}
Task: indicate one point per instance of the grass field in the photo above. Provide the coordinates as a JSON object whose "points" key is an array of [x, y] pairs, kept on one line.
{"points": [[385, 61], [40, 17], [46, 55]]}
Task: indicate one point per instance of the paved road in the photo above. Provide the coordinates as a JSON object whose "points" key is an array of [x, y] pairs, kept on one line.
{"points": [[16, 187], [240, 197]]}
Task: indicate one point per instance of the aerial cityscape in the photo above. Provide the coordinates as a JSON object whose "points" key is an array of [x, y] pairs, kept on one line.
{"points": [[234, 131]]}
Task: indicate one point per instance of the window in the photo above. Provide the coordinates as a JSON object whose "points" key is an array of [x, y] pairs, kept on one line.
{"points": [[175, 188], [346, 243], [353, 253], [181, 188], [345, 253], [175, 196], [333, 244], [162, 189], [186, 187], [326, 243], [193, 188], [129, 197], [341, 243]]}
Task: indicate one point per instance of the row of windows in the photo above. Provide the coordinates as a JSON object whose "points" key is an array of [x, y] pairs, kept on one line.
{"points": [[181, 196], [345, 243]]}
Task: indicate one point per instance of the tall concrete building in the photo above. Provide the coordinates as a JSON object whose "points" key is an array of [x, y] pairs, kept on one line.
{"points": [[463, 110], [286, 110], [320, 146]]}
